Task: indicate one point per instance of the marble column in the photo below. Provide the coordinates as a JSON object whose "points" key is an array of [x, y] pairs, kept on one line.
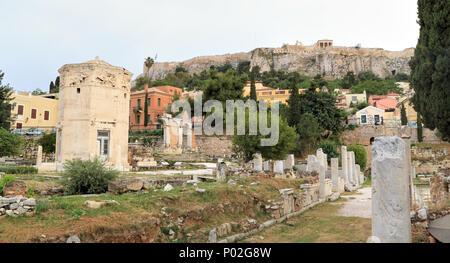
{"points": [[390, 191], [335, 174]]}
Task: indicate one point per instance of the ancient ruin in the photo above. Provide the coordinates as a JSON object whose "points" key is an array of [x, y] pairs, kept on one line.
{"points": [[93, 113]]}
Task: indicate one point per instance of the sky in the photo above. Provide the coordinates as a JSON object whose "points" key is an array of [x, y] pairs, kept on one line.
{"points": [[37, 37]]}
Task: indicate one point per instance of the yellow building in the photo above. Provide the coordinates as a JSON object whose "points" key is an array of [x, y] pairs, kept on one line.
{"points": [[269, 94], [33, 112], [411, 114]]}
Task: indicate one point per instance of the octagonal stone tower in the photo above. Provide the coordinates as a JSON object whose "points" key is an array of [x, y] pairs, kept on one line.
{"points": [[93, 113]]}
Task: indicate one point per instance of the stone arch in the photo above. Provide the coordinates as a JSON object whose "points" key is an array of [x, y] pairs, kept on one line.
{"points": [[372, 139]]}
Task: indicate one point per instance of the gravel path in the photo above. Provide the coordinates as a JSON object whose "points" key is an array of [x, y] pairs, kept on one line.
{"points": [[359, 205]]}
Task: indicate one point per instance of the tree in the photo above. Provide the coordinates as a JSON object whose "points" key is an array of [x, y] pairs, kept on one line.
{"points": [[38, 92], [247, 145], [430, 71], [309, 133], [419, 128], [368, 75], [222, 87], [252, 85], [146, 119], [322, 106], [403, 117], [373, 87], [52, 87], [9, 143], [349, 80], [48, 143], [243, 68], [330, 149], [5, 99], [149, 62]]}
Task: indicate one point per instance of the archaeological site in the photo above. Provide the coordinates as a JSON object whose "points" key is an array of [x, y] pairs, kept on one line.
{"points": [[341, 136]]}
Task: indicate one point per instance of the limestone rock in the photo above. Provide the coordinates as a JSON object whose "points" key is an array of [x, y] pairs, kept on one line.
{"points": [[422, 214], [125, 185], [212, 238]]}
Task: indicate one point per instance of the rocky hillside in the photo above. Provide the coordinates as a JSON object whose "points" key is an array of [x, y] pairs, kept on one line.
{"points": [[332, 62]]}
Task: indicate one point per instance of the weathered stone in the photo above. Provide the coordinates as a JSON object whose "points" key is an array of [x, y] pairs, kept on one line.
{"points": [[373, 239], [310, 161], [224, 229], [319, 168], [212, 238], [30, 202], [422, 214], [14, 206], [200, 190], [257, 162], [125, 185], [94, 204], [335, 174], [15, 188], [9, 212], [168, 187], [222, 171], [73, 239], [289, 162], [390, 191], [344, 160], [279, 167]]}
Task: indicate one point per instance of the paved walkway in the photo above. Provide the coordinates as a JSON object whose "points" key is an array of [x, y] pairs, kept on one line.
{"points": [[358, 205]]}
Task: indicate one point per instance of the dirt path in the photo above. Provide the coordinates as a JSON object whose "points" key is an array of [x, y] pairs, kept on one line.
{"points": [[358, 205]]}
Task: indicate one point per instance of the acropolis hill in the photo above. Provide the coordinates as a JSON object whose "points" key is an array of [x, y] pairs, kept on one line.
{"points": [[321, 58]]}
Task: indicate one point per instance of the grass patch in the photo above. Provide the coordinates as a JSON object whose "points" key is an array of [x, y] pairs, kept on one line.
{"points": [[319, 225]]}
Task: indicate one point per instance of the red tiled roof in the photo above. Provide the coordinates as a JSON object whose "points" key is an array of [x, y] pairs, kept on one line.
{"points": [[384, 104]]}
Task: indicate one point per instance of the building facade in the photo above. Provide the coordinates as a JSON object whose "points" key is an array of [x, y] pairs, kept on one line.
{"points": [[93, 114], [269, 94], [33, 113], [158, 100]]}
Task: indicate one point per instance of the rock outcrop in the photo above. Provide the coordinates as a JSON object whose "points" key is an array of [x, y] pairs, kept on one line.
{"points": [[332, 62]]}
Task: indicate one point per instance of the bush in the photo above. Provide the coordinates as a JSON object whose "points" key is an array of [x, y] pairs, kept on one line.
{"points": [[48, 143], [360, 154], [18, 169], [329, 148], [6, 180], [9, 143], [87, 177]]}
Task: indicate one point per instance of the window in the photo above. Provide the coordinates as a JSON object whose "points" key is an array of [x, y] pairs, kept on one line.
{"points": [[159, 101], [377, 119], [19, 125], [363, 119], [33, 113], [138, 119], [354, 98], [149, 102], [20, 110], [148, 118], [78, 90], [103, 140], [139, 103], [46, 115]]}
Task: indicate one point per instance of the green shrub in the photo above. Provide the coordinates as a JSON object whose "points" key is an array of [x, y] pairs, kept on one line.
{"points": [[42, 206], [18, 169], [87, 177], [360, 154], [329, 148], [6, 180]]}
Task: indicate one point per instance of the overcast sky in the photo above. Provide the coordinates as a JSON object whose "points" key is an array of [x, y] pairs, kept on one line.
{"points": [[37, 37]]}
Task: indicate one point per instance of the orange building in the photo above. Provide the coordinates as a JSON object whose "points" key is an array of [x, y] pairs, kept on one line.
{"points": [[159, 98]]}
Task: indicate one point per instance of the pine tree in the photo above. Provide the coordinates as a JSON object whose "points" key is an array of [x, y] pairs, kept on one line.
{"points": [[403, 117], [419, 128], [430, 73]]}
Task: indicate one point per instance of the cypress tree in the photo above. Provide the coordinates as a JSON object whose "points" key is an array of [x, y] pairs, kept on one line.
{"points": [[430, 71], [252, 85], [51, 88], [146, 110], [57, 82], [419, 128], [403, 117]]}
